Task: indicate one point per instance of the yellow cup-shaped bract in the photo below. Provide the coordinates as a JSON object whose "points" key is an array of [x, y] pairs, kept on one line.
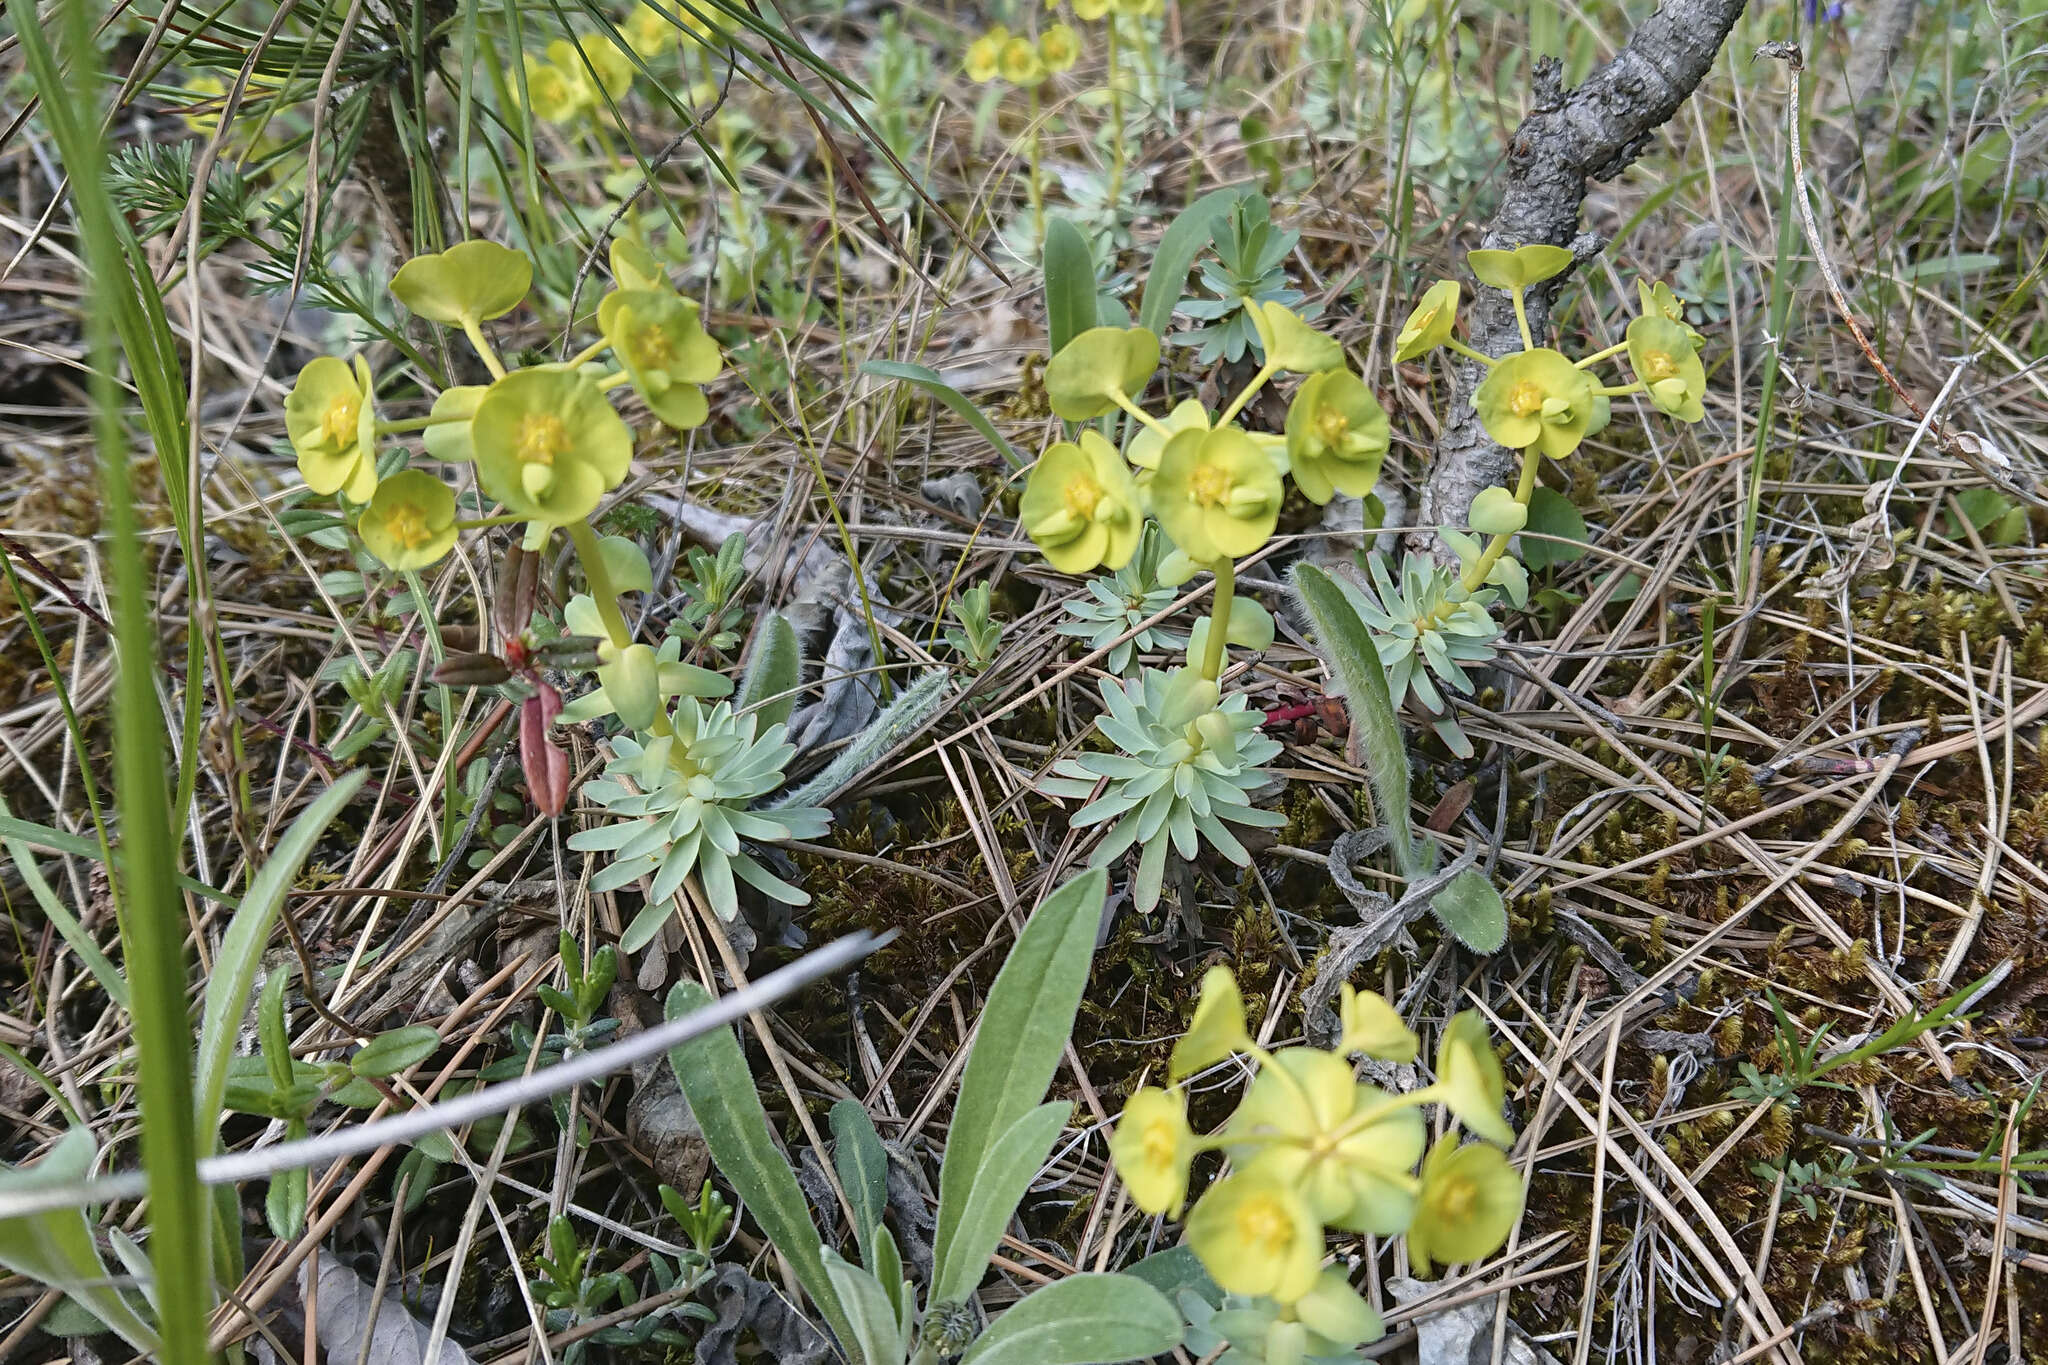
{"points": [[1099, 363], [1059, 48], [1152, 1147], [1255, 1235], [1372, 1026], [552, 94], [548, 445], [1429, 326], [1520, 268], [985, 55], [667, 354], [1217, 1029], [470, 282], [1336, 437], [1496, 513], [1020, 63], [1536, 398], [1290, 343], [1470, 1200], [1469, 1080], [1348, 1149], [1664, 359], [1082, 506], [450, 440], [330, 417], [410, 522], [1216, 494], [634, 266]]}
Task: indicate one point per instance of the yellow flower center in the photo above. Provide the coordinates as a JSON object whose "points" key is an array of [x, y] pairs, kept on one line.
{"points": [[408, 526], [340, 422], [1333, 426], [1263, 1226], [1455, 1202], [654, 347], [1417, 325], [1209, 485], [1159, 1144], [1659, 365], [542, 437], [1526, 398], [1081, 496]]}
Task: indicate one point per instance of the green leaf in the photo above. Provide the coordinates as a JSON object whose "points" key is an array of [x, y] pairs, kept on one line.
{"points": [[241, 950], [1469, 905], [1069, 284], [928, 379], [870, 1312], [1346, 646], [57, 1248], [1188, 238], [66, 924], [387, 1054], [712, 1072], [276, 1043], [1017, 1045], [769, 687], [863, 1172], [1178, 1269], [1552, 514], [284, 1203], [1000, 1181], [1081, 1320]]}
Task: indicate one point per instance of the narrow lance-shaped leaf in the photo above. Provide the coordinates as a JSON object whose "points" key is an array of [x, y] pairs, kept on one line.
{"points": [[999, 1185], [1069, 284], [773, 672], [1346, 646], [1081, 1320], [863, 1172], [931, 382], [1018, 1042]]}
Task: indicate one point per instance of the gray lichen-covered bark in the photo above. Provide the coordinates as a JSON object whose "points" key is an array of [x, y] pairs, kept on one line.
{"points": [[1569, 137]]}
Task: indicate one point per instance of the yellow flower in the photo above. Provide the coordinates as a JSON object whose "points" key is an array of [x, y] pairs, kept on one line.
{"points": [[410, 522], [1496, 513], [614, 68], [548, 445], [1290, 343], [1469, 1082], [1217, 1029], [1348, 1149], [1336, 436], [1020, 63], [1152, 1148], [1373, 1027], [653, 29], [1102, 363], [331, 417], [1536, 398], [1059, 48], [1216, 494], [450, 440], [1088, 11], [984, 54], [1664, 359], [470, 282], [1658, 301], [1429, 326], [1081, 506], [1254, 1235], [666, 351], [552, 94], [1470, 1200], [634, 266], [1524, 266], [1149, 444], [211, 90]]}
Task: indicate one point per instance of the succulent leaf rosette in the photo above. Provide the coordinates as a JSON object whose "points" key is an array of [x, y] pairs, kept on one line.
{"points": [[1186, 764], [1118, 604], [680, 804]]}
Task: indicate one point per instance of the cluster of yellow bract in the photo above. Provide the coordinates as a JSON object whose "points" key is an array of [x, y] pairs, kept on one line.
{"points": [[545, 440], [1538, 398], [1214, 487], [1311, 1148], [1014, 57], [579, 78]]}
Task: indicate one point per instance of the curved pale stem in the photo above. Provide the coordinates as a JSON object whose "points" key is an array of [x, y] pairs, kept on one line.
{"points": [[601, 590], [1522, 319], [1266, 372], [1219, 619], [1453, 344], [472, 329], [1532, 461], [1157, 427], [1587, 361]]}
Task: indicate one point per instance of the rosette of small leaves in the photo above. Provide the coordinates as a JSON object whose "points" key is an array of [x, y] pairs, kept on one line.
{"points": [[1428, 629], [1247, 270], [681, 805], [1117, 603], [1184, 769]]}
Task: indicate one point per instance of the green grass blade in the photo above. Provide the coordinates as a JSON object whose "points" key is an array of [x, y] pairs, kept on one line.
{"points": [[928, 379], [1069, 284], [67, 925]]}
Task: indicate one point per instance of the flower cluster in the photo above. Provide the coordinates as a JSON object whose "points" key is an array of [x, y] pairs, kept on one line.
{"points": [[545, 441], [1186, 760], [580, 79], [1000, 54], [1434, 623], [1311, 1148]]}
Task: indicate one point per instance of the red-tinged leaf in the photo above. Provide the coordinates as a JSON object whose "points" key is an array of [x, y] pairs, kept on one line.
{"points": [[547, 767]]}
